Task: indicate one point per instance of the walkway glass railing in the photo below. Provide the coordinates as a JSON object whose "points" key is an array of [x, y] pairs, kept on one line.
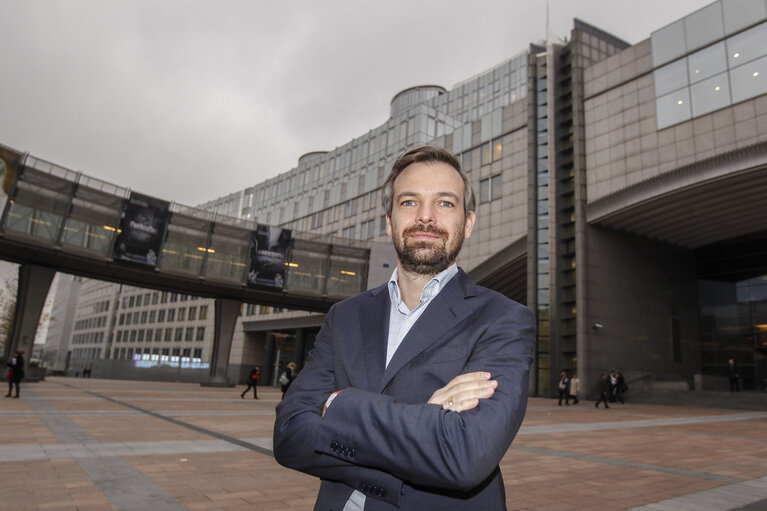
{"points": [[56, 208]]}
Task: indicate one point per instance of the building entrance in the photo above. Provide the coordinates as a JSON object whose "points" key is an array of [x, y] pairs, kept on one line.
{"points": [[732, 297]]}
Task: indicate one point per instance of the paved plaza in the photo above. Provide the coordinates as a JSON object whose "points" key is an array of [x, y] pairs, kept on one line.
{"points": [[91, 444]]}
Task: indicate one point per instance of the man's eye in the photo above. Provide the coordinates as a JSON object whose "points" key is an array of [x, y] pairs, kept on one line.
{"points": [[408, 203], [445, 204]]}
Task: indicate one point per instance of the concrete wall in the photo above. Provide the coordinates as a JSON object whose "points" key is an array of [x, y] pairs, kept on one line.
{"points": [[633, 284], [623, 144]]}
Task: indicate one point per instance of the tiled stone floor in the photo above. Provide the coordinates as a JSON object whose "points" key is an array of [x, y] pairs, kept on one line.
{"points": [[90, 444]]}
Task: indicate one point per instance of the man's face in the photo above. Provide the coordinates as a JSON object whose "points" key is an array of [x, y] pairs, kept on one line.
{"points": [[427, 223]]}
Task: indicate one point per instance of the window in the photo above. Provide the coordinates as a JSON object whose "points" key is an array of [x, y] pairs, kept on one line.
{"points": [[192, 313], [350, 208], [490, 189], [348, 232], [152, 316], [161, 316], [179, 334], [317, 220], [497, 150], [171, 315], [367, 230], [158, 335], [181, 314], [174, 297], [189, 333], [168, 334], [203, 312], [143, 317], [197, 353]]}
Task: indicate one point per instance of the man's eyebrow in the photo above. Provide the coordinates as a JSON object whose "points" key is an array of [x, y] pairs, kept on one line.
{"points": [[438, 194]]}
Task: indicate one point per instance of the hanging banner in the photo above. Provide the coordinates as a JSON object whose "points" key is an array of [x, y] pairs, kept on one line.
{"points": [[269, 254], [141, 229]]}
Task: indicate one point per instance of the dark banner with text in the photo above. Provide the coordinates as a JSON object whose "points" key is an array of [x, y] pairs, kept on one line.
{"points": [[269, 254], [141, 229]]}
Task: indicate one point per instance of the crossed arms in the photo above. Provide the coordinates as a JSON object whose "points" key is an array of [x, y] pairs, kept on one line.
{"points": [[406, 434]]}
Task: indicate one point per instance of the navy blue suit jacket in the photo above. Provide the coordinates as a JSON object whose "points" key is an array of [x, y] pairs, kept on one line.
{"points": [[380, 436]]}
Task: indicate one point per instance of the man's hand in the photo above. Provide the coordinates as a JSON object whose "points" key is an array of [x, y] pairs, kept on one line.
{"points": [[464, 391]]}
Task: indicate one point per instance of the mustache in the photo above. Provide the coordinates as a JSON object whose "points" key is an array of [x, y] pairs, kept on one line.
{"points": [[425, 229]]}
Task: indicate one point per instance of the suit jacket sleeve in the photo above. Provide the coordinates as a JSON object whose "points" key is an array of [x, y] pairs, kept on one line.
{"points": [[299, 419]]}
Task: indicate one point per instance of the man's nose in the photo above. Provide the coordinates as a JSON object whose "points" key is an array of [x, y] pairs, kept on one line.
{"points": [[425, 214]]}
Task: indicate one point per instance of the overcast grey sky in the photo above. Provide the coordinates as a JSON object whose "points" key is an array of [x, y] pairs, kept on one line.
{"points": [[192, 100]]}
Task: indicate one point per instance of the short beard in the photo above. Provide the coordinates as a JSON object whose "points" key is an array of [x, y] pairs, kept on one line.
{"points": [[425, 258]]}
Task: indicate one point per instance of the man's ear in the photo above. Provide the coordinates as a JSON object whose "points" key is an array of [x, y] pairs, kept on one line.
{"points": [[388, 225], [469, 224]]}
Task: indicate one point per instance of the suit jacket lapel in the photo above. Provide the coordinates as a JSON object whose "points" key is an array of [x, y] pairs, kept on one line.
{"points": [[444, 312], [375, 332]]}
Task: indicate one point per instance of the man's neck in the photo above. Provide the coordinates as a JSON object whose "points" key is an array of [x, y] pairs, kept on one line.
{"points": [[411, 286]]}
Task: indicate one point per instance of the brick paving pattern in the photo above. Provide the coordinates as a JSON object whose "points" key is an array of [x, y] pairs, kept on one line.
{"points": [[90, 444]]}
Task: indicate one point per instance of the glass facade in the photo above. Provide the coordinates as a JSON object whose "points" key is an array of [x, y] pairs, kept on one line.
{"points": [[732, 295], [309, 196], [717, 71]]}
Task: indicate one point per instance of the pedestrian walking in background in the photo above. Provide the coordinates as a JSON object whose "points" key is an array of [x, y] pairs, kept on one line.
{"points": [[15, 373], [613, 379], [563, 388], [620, 387], [575, 387], [604, 387], [255, 373], [734, 375], [287, 377]]}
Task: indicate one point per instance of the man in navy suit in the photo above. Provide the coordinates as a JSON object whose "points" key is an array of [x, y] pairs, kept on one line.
{"points": [[414, 390]]}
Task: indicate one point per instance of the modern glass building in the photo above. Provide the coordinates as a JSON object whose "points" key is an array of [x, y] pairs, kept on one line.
{"points": [[620, 196]]}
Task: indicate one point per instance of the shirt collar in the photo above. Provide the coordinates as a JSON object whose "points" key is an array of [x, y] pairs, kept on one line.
{"points": [[430, 290]]}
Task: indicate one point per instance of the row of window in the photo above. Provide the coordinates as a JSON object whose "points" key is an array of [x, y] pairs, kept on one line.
{"points": [[717, 76], [154, 298], [159, 334], [490, 189], [88, 338], [86, 324], [162, 315], [127, 353], [253, 309]]}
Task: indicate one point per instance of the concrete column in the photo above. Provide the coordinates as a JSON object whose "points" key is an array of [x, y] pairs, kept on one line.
{"points": [[226, 311], [268, 373], [34, 283], [298, 349]]}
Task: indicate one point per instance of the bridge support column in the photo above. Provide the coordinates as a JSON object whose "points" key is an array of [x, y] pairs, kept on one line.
{"points": [[227, 312], [34, 283], [298, 348]]}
